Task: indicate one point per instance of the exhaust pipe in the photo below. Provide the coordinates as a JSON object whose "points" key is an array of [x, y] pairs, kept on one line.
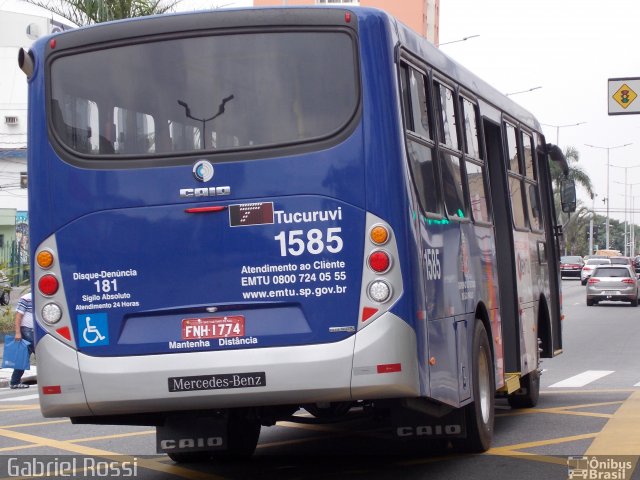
{"points": [[25, 62]]}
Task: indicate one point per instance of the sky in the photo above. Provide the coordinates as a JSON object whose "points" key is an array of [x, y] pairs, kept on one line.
{"points": [[570, 48]]}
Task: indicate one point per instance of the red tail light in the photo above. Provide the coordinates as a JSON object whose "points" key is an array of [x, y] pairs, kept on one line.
{"points": [[593, 281], [48, 285], [630, 281], [379, 261]]}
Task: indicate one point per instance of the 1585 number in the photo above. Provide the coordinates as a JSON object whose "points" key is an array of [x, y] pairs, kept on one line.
{"points": [[315, 241]]}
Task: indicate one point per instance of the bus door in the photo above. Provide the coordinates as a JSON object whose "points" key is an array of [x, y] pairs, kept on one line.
{"points": [[505, 256]]}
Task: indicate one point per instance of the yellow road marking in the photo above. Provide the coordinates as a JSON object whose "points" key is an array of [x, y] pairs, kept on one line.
{"points": [[18, 408], [621, 434], [108, 437], [569, 390], [540, 443], [34, 424], [307, 426], [528, 456], [566, 410]]}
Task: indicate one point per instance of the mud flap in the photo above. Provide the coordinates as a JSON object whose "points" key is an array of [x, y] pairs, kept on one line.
{"points": [[412, 425], [189, 433]]}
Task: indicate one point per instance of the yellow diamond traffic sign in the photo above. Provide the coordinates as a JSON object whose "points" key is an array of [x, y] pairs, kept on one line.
{"points": [[625, 96]]}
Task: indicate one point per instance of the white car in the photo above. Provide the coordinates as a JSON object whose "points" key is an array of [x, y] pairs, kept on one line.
{"points": [[589, 267]]}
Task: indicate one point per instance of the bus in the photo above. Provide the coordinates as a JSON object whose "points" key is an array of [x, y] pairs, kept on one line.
{"points": [[240, 214]]}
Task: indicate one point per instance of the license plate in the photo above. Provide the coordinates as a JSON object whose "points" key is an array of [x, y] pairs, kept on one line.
{"points": [[213, 327], [611, 293]]}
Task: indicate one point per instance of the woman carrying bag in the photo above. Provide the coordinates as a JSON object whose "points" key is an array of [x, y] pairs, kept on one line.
{"points": [[24, 330]]}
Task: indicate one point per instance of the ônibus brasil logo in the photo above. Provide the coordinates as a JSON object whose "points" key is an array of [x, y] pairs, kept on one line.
{"points": [[203, 170]]}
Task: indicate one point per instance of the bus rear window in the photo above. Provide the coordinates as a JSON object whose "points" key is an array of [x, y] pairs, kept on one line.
{"points": [[225, 92]]}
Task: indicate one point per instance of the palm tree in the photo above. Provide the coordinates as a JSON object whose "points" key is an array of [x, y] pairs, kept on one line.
{"points": [[86, 12], [575, 172], [572, 225]]}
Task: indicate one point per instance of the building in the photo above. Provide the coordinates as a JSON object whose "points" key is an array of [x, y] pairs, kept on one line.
{"points": [[20, 24], [420, 15]]}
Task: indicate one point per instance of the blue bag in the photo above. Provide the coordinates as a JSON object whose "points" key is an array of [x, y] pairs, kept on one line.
{"points": [[15, 354]]}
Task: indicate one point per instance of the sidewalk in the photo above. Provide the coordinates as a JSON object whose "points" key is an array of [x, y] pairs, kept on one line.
{"points": [[30, 376]]}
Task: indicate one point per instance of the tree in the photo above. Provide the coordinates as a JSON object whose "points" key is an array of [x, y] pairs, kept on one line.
{"points": [[575, 172], [87, 12], [574, 225]]}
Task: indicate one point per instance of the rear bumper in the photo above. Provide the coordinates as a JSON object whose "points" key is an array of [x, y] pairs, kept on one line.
{"points": [[623, 297], [570, 273], [340, 371]]}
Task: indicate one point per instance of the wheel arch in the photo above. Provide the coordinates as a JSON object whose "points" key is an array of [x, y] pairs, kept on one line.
{"points": [[482, 315]]}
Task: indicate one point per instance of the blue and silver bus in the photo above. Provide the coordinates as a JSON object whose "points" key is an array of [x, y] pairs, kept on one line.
{"points": [[239, 214]]}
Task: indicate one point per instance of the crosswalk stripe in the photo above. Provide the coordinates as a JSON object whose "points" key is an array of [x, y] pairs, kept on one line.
{"points": [[21, 397], [581, 379]]}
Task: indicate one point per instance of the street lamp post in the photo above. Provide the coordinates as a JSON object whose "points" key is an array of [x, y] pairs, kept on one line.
{"points": [[608, 202], [558, 127], [464, 39], [629, 226], [522, 91], [633, 222], [626, 222]]}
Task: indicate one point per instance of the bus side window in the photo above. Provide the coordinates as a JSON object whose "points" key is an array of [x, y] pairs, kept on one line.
{"points": [[420, 147], [532, 194], [452, 184], [450, 155], [475, 168], [516, 183]]}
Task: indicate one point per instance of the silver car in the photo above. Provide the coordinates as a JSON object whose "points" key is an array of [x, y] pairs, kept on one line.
{"points": [[589, 266], [613, 282]]}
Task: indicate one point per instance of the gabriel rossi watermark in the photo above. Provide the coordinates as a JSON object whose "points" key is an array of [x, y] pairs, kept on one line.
{"points": [[70, 467]]}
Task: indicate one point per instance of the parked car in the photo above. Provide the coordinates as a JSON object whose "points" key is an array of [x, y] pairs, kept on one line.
{"points": [[5, 289], [589, 266], [613, 282], [570, 266]]}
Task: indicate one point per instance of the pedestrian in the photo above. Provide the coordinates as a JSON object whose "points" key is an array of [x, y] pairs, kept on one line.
{"points": [[24, 329]]}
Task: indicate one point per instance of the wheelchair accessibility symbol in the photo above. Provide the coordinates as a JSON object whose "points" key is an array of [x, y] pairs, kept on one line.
{"points": [[94, 329]]}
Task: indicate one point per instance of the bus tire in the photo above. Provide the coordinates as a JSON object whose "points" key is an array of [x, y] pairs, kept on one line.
{"points": [[190, 457], [330, 410], [244, 433], [481, 412]]}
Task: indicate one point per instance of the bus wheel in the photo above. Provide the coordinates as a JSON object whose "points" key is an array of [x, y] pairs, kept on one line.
{"points": [[480, 413], [191, 457], [328, 410], [243, 437]]}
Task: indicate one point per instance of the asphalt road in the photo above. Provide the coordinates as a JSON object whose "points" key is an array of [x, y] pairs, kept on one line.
{"points": [[589, 409]]}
